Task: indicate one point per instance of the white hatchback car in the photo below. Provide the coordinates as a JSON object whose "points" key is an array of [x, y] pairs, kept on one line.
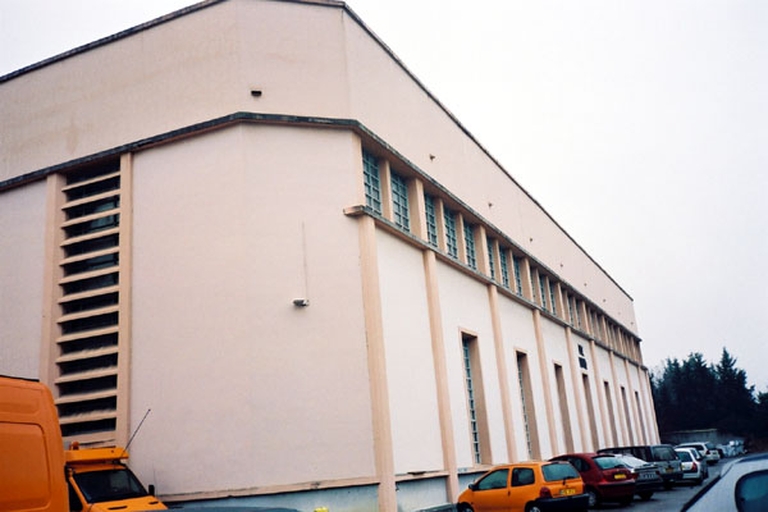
{"points": [[694, 466]]}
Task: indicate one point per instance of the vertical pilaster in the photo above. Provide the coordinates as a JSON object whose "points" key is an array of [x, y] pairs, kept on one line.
{"points": [[374, 334], [122, 425], [52, 274], [503, 372], [441, 374]]}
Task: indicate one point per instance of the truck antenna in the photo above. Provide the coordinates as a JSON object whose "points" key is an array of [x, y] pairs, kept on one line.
{"points": [[137, 430]]}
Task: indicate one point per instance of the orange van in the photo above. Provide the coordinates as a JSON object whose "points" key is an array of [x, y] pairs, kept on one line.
{"points": [[31, 449], [526, 487]]}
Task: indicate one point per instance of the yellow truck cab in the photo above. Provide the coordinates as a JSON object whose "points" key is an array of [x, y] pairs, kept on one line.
{"points": [[100, 482]]}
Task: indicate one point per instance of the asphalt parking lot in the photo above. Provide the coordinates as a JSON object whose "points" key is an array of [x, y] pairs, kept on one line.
{"points": [[668, 501]]}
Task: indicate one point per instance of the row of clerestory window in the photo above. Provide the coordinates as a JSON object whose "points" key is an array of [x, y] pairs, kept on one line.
{"points": [[389, 194]]}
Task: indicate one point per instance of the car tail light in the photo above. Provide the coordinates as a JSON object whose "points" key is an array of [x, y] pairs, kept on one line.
{"points": [[694, 467], [545, 492]]}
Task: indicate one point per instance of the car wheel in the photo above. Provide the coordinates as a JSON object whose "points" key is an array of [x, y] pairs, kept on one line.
{"points": [[593, 500], [645, 495], [464, 507], [532, 507]]}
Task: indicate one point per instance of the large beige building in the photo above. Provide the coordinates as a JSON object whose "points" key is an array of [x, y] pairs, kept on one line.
{"points": [[249, 230]]}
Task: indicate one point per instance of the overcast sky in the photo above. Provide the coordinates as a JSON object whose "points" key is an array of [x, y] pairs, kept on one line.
{"points": [[640, 125]]}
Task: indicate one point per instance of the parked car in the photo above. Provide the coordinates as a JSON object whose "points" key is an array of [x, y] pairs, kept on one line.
{"points": [[707, 450], [663, 455], [742, 485], [526, 487], [647, 475], [606, 478], [694, 465]]}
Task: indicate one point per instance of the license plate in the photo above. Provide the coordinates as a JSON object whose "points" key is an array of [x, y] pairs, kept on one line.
{"points": [[567, 492], [619, 476]]}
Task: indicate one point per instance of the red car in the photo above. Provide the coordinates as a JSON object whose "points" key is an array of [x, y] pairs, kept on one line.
{"points": [[606, 478]]}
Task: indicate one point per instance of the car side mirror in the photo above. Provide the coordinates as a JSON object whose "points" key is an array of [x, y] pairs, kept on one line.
{"points": [[151, 489], [472, 486]]}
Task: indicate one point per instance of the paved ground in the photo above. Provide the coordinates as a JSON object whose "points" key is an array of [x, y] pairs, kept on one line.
{"points": [[667, 501]]}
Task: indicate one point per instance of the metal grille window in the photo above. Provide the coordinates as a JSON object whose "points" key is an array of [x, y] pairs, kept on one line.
{"points": [[400, 202], [504, 267], [469, 242], [518, 275], [372, 182], [429, 211], [451, 242], [86, 356], [525, 395], [474, 426], [491, 261], [552, 302], [543, 292]]}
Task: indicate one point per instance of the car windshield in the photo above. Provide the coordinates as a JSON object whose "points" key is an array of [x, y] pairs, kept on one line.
{"points": [[559, 471], [111, 485]]}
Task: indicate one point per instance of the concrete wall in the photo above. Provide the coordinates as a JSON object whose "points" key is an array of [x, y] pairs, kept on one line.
{"points": [[229, 228], [22, 269]]}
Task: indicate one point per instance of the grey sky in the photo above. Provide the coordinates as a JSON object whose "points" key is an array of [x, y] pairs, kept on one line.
{"points": [[641, 126]]}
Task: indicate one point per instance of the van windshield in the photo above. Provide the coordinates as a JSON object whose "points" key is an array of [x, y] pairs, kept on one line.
{"points": [[110, 485]]}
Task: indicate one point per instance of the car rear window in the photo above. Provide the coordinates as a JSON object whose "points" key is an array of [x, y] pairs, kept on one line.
{"points": [[664, 453], [684, 456], [559, 471], [608, 462]]}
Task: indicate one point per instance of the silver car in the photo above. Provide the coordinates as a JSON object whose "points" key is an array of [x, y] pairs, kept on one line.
{"points": [[742, 485]]}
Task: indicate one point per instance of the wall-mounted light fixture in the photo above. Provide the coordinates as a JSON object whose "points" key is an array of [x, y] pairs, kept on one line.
{"points": [[301, 303]]}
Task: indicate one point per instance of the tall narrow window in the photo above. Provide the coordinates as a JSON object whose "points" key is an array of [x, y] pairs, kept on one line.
{"points": [[640, 417], [569, 300], [400, 202], [564, 413], [491, 260], [478, 427], [87, 344], [529, 410], [590, 412], [431, 217], [611, 413], [543, 292], [504, 267], [469, 243], [518, 275], [372, 182], [579, 324], [552, 302], [627, 417], [451, 242]]}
